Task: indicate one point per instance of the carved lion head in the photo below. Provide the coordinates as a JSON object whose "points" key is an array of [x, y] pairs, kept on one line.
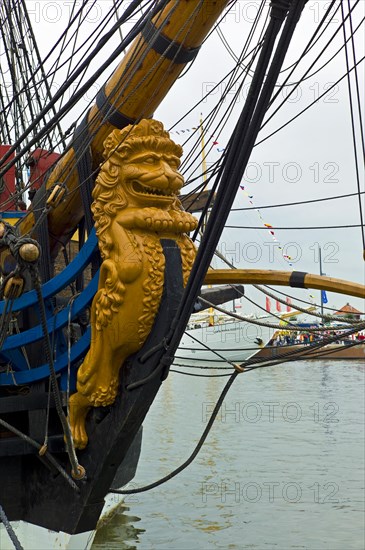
{"points": [[140, 171]]}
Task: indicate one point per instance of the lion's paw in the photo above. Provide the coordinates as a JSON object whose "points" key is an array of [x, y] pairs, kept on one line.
{"points": [[79, 407]]}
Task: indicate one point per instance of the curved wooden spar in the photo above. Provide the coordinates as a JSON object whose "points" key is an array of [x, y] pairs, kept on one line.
{"points": [[135, 90], [296, 279]]}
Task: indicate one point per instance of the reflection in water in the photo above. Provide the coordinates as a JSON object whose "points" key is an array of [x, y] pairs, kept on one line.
{"points": [[283, 467], [119, 531]]}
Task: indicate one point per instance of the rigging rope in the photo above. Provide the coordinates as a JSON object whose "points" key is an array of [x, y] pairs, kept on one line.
{"points": [[247, 366], [353, 129], [14, 539], [44, 452]]}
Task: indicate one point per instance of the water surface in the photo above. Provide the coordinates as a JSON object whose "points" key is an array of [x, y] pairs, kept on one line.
{"points": [[283, 466]]}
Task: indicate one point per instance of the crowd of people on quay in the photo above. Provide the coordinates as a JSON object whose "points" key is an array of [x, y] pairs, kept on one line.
{"points": [[291, 338]]}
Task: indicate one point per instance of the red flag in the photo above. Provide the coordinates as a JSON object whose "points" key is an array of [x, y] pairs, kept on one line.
{"points": [[268, 304], [288, 303], [278, 306]]}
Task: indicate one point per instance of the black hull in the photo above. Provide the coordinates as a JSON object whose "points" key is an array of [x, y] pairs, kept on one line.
{"points": [[35, 493]]}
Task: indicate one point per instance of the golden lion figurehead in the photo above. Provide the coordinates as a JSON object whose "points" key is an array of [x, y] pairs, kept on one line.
{"points": [[139, 182]]}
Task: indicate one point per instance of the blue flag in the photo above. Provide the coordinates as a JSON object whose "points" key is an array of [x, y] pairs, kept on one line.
{"points": [[324, 297]]}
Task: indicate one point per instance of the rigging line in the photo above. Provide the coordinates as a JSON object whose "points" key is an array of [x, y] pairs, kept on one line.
{"points": [[217, 169], [327, 62], [100, 26], [227, 262], [357, 84], [132, 34], [200, 375], [250, 36], [315, 101], [201, 367], [256, 51], [229, 74], [47, 454], [240, 147], [77, 469], [137, 86], [9, 529], [304, 301], [296, 203], [288, 326], [181, 35], [11, 50], [308, 106], [297, 228], [215, 27], [353, 131], [56, 65], [115, 5], [300, 354], [213, 416], [41, 64], [212, 116], [306, 50], [231, 83], [243, 295], [194, 453], [59, 40], [295, 351], [126, 15], [29, 63], [292, 355], [63, 46], [310, 46], [305, 74], [303, 310], [93, 33], [226, 45], [72, 161], [227, 113], [88, 137], [221, 357], [113, 97], [274, 314]]}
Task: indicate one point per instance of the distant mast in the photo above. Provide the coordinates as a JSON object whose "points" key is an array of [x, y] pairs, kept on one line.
{"points": [[321, 273]]}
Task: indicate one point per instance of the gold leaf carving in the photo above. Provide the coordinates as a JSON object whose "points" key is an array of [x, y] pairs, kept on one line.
{"points": [[135, 205]]}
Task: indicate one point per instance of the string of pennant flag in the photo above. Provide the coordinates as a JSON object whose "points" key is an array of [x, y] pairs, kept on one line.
{"points": [[211, 139], [286, 257], [269, 227]]}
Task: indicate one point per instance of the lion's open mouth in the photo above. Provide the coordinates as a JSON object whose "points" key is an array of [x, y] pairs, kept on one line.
{"points": [[140, 189]]}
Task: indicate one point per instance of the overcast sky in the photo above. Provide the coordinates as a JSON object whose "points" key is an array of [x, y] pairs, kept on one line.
{"points": [[311, 158]]}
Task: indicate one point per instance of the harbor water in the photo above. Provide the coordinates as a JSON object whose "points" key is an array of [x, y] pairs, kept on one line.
{"points": [[282, 468]]}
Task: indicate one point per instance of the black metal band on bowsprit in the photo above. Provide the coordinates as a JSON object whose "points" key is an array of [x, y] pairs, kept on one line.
{"points": [[81, 146], [109, 112], [166, 47], [297, 279]]}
